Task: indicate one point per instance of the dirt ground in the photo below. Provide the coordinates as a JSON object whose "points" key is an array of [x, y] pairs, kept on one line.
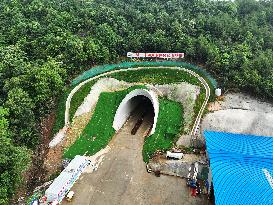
{"points": [[122, 177], [53, 159], [240, 113]]}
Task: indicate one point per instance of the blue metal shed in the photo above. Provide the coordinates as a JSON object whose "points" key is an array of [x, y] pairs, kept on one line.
{"points": [[242, 168]]}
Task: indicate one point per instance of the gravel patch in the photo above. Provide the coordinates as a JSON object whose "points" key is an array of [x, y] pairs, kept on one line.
{"points": [[78, 125], [245, 102], [103, 85], [242, 114]]}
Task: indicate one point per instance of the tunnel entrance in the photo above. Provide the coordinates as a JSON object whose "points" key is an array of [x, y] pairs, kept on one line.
{"points": [[144, 111], [141, 104]]}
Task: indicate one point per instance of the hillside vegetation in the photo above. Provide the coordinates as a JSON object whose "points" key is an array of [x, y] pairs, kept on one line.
{"points": [[45, 43], [149, 75], [169, 125], [99, 131]]}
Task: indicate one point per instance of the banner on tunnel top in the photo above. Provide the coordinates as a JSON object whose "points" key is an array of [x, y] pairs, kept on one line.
{"points": [[155, 55]]}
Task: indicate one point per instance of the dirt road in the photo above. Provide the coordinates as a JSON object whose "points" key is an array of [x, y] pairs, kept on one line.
{"points": [[122, 177]]}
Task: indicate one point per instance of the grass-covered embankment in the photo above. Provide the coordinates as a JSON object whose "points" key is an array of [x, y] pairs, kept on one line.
{"points": [[76, 101], [78, 98], [169, 125], [60, 113], [156, 76], [99, 130], [147, 75]]}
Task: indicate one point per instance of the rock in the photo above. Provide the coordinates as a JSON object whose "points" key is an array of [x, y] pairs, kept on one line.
{"points": [[242, 114], [175, 167], [186, 140]]}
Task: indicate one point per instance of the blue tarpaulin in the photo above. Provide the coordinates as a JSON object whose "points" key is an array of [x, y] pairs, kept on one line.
{"points": [[242, 168]]}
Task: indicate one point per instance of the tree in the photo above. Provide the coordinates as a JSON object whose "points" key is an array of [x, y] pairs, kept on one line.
{"points": [[44, 82], [258, 74], [160, 41], [109, 38], [13, 161], [12, 64], [22, 119]]}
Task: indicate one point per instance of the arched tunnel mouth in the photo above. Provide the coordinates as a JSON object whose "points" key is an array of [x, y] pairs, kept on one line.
{"points": [[142, 113], [140, 106]]}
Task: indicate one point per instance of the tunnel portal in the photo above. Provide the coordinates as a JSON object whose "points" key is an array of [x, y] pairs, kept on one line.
{"points": [[139, 100]]}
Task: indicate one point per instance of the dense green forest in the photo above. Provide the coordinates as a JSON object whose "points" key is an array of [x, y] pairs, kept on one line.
{"points": [[45, 43]]}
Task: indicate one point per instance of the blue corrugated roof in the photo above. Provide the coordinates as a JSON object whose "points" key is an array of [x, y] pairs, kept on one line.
{"points": [[242, 168], [239, 143]]}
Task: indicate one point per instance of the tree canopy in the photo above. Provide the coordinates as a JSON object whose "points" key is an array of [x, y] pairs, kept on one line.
{"points": [[13, 160]]}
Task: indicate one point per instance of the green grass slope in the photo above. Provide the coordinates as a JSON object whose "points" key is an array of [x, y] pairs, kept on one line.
{"points": [[99, 130], [169, 125], [148, 75]]}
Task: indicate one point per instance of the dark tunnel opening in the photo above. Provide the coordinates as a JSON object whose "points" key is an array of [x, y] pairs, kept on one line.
{"points": [[143, 113]]}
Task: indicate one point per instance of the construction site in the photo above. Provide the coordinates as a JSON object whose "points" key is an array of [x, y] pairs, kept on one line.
{"points": [[155, 102], [140, 136]]}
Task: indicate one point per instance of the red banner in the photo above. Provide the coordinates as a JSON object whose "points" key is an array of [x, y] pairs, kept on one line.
{"points": [[155, 55]]}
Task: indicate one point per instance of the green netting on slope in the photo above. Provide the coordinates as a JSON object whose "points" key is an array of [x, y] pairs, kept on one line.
{"points": [[105, 68]]}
